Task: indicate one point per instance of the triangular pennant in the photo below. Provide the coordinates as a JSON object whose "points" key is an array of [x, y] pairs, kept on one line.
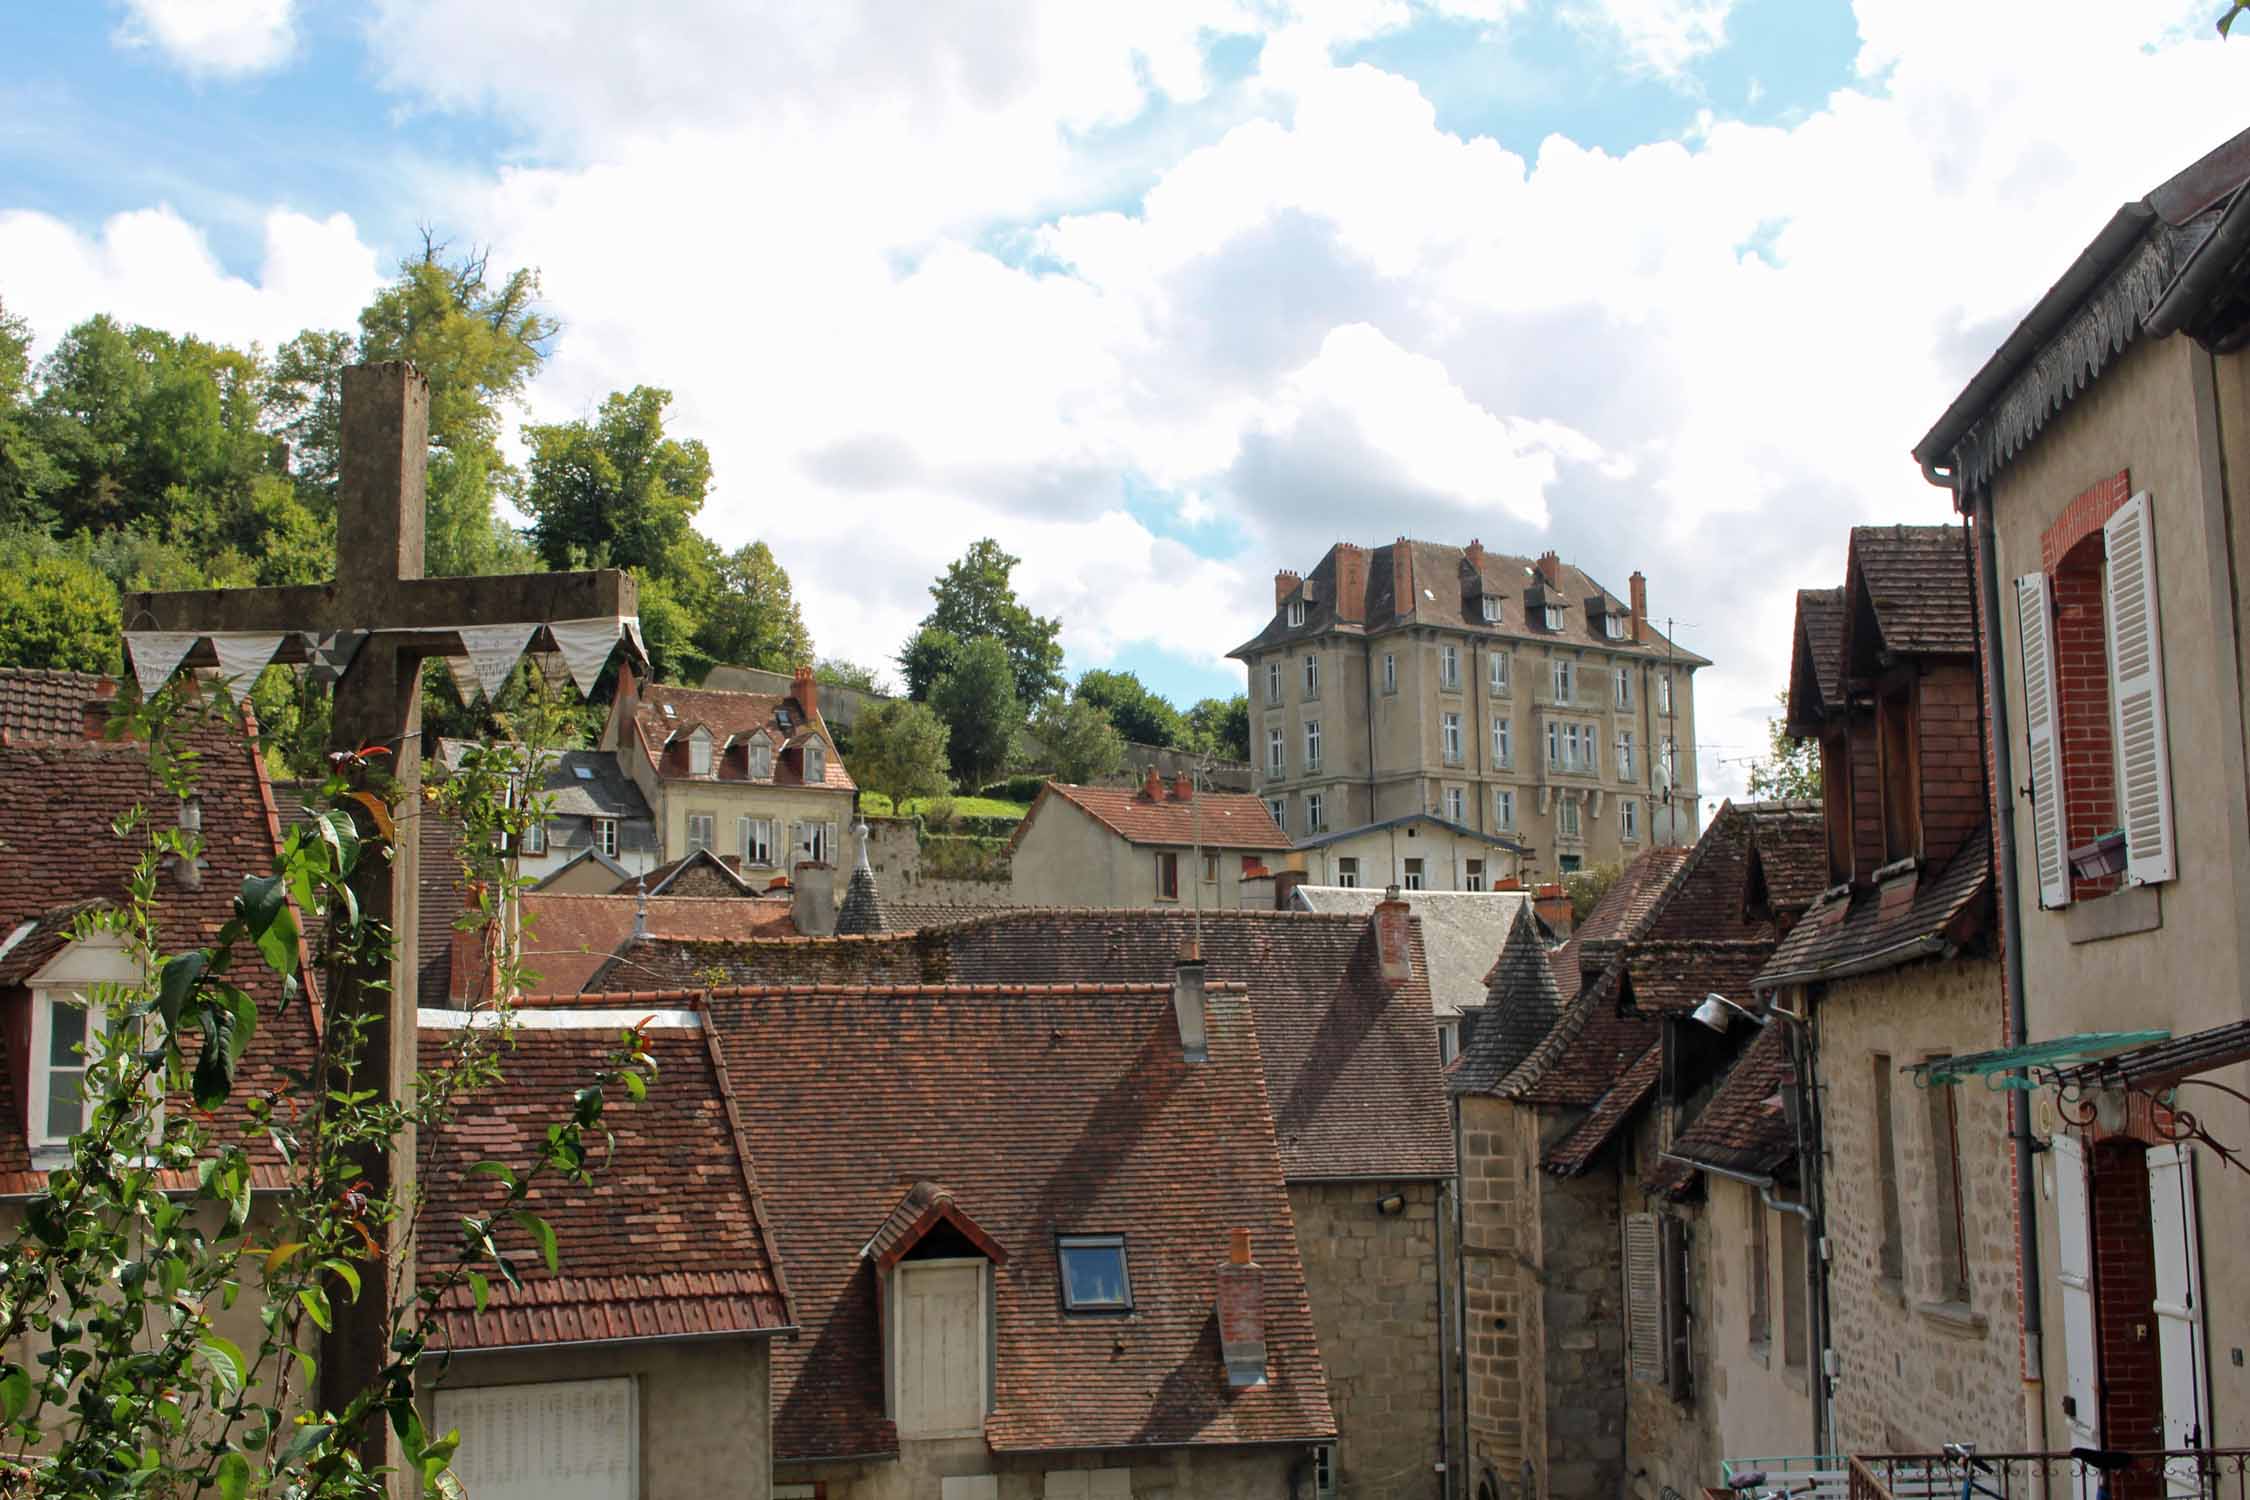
{"points": [[494, 651], [157, 654], [585, 645], [633, 634], [464, 679], [328, 654], [243, 654]]}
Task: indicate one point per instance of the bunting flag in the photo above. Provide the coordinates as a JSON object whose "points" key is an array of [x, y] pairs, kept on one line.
{"points": [[464, 679], [157, 654], [242, 655], [328, 654], [586, 644], [493, 652]]}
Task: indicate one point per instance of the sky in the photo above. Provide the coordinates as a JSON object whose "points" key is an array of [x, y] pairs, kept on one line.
{"points": [[1170, 295]]}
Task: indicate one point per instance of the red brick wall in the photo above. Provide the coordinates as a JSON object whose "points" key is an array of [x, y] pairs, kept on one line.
{"points": [[2082, 692], [2124, 1303], [1951, 770], [2083, 517], [1867, 798]]}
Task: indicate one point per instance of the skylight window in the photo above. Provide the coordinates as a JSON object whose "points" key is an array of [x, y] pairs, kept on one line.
{"points": [[1094, 1275], [583, 773], [670, 712]]}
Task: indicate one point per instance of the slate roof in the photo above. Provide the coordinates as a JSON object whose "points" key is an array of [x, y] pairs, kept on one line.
{"points": [[1217, 820], [58, 850], [40, 706], [1738, 1130], [909, 916], [1520, 1010], [1852, 934], [568, 937], [1917, 583], [604, 791], [1350, 1067], [1575, 1152], [862, 909], [1463, 933], [1446, 590], [732, 718], [722, 872], [1048, 1111], [1816, 664], [670, 1240]]}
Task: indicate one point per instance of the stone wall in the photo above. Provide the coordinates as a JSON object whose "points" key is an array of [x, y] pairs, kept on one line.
{"points": [[1915, 1368], [1671, 1440], [1373, 1281], [894, 852], [1191, 1473], [1580, 1329], [1497, 1241]]}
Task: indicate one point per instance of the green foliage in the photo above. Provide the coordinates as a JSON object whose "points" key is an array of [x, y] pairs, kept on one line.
{"points": [[2234, 10], [1220, 727], [749, 614], [616, 491], [1587, 887], [56, 609], [834, 671], [1141, 716], [927, 656], [1790, 768], [976, 701], [964, 857], [1016, 789], [1081, 745], [899, 750], [976, 600]]}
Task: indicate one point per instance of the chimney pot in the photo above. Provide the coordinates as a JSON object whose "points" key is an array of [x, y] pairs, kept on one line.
{"points": [[1550, 568], [1284, 584], [1238, 1248], [1475, 554], [1152, 785], [1183, 787]]}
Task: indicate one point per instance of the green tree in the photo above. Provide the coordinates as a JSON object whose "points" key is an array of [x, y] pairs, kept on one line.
{"points": [[1081, 745], [615, 491], [1587, 887], [28, 472], [976, 600], [926, 658], [1140, 715], [1221, 727], [977, 702], [56, 610], [750, 616], [835, 671], [899, 749], [1790, 768]]}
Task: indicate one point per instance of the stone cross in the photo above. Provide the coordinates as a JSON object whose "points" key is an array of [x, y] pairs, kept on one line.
{"points": [[379, 586]]}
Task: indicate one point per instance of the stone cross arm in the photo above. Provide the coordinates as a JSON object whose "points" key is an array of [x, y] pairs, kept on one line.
{"points": [[421, 613]]}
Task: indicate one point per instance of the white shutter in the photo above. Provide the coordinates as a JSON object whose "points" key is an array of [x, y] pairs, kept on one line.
{"points": [[828, 846], [2179, 1306], [2074, 1272], [1644, 1301], [2042, 723], [2136, 690]]}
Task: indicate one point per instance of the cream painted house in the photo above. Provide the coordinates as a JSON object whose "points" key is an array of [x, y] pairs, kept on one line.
{"points": [[751, 776], [1415, 852], [1159, 844], [1510, 695]]}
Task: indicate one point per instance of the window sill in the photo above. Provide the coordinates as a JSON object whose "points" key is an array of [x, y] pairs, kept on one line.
{"points": [[1893, 1292], [1956, 1318], [2137, 908]]}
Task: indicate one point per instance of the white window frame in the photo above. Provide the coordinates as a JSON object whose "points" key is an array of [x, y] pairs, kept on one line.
{"points": [[1554, 745], [1503, 742], [710, 831], [1664, 693], [1456, 805], [1312, 744], [534, 839], [1273, 681], [1613, 626], [816, 763], [701, 755], [1449, 667], [1504, 808], [755, 836], [1347, 871], [815, 841], [1472, 875], [1390, 672], [1562, 679], [1316, 812], [43, 1068], [1278, 808], [1296, 613], [1553, 616], [761, 758], [1449, 738], [1496, 671], [1625, 753], [1491, 609], [1312, 675], [1413, 879], [1567, 824], [1629, 818], [1277, 753], [1324, 1471], [1625, 687], [605, 837]]}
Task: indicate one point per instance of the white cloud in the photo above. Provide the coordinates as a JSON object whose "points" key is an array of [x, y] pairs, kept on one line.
{"points": [[213, 36], [1659, 36]]}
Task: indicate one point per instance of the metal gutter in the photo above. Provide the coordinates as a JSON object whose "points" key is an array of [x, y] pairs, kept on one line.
{"points": [[1929, 945], [791, 1330], [2212, 260]]}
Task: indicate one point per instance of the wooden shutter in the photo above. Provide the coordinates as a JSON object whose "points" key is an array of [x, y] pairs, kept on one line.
{"points": [[2042, 723], [1644, 1317], [2074, 1272], [1677, 1351], [2136, 690], [2179, 1306]]}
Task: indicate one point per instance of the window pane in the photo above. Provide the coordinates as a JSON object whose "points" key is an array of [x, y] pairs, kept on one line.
{"points": [[66, 1031], [1094, 1275], [66, 1115]]}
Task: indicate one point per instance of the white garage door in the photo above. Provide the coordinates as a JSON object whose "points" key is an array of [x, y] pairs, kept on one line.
{"points": [[565, 1440]]}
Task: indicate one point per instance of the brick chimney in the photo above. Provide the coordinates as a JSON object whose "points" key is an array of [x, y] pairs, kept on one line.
{"points": [[1351, 583], [1152, 785], [1402, 577], [1284, 584], [1552, 903], [1474, 552], [96, 711], [1550, 569], [1640, 604], [812, 898], [1188, 1003], [1394, 939], [1242, 1314], [806, 690], [1183, 787]]}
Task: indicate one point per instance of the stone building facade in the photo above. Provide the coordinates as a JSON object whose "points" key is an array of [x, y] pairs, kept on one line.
{"points": [[1510, 695]]}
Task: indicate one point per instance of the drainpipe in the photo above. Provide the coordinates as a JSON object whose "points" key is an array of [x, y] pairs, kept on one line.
{"points": [[2029, 1282], [1444, 1405], [1460, 1307]]}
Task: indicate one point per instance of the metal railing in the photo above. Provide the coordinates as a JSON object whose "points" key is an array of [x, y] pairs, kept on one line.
{"points": [[2076, 1474]]}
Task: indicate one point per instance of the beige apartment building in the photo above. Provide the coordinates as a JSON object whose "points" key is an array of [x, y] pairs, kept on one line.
{"points": [[1508, 695]]}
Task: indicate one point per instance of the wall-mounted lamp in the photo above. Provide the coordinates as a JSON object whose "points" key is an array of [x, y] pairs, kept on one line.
{"points": [[1391, 1205], [1714, 1013]]}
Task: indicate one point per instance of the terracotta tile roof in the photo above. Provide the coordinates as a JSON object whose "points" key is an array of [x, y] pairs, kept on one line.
{"points": [[43, 936], [1741, 1128], [1463, 933], [1788, 855], [1853, 934], [732, 719], [1624, 909], [704, 872], [669, 1240], [1446, 589], [38, 706], [1219, 820], [922, 1208], [58, 804], [1575, 1152], [1566, 963], [1049, 1112], [1709, 896], [1351, 1068], [1521, 1008], [1816, 664], [1675, 975], [1915, 582], [568, 937]]}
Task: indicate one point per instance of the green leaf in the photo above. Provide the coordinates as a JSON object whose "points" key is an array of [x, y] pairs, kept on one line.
{"points": [[309, 1437], [176, 984], [224, 1360], [347, 1271], [233, 1476], [315, 1303], [263, 898], [277, 940], [499, 1169], [636, 1085], [15, 1393], [479, 1290], [544, 1233]]}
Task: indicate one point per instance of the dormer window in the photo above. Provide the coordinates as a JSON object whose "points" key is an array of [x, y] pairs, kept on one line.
{"points": [[1613, 626], [59, 1030], [699, 753], [816, 763], [761, 758], [1296, 613], [1094, 1274], [1491, 609], [1550, 615]]}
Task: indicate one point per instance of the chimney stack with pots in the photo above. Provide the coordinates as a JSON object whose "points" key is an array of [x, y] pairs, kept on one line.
{"points": [[1183, 787], [1284, 584], [1550, 569], [1640, 605], [1242, 1314], [1394, 939], [1152, 785], [805, 688], [1474, 552], [1188, 1003]]}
